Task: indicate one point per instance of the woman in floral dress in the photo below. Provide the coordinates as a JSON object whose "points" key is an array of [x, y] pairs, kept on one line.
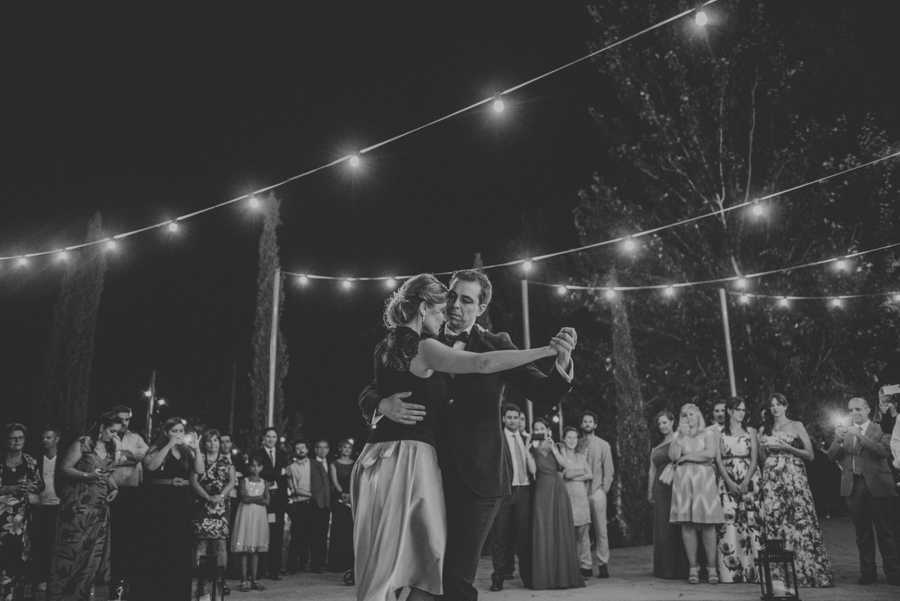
{"points": [[212, 481], [788, 509], [741, 534], [20, 479], [82, 548]]}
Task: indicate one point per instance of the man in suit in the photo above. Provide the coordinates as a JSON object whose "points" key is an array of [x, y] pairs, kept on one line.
{"points": [[43, 516], [470, 442], [320, 488], [863, 451], [599, 458], [274, 472]]}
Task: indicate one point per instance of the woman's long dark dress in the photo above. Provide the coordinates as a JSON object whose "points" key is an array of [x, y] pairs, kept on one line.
{"points": [[340, 544], [554, 558], [669, 557], [168, 560]]}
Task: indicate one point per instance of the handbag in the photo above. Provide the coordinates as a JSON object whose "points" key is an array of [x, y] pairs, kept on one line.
{"points": [[668, 474]]}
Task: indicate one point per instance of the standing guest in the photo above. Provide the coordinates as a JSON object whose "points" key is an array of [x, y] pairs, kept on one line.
{"points": [[719, 417], [788, 508], [299, 507], [340, 545], [887, 412], [167, 540], [81, 555], [599, 456], [212, 481], [226, 446], [695, 497], [126, 513], [19, 480], [44, 514], [512, 524], [577, 478], [669, 557], [399, 539], [320, 488], [741, 535], [274, 462], [251, 527], [554, 562], [863, 451]]}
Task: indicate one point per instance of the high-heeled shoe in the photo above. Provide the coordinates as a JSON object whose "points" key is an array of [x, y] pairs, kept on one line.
{"points": [[713, 574], [694, 575]]}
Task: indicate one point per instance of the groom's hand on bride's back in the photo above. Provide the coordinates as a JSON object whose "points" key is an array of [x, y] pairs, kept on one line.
{"points": [[395, 409]]}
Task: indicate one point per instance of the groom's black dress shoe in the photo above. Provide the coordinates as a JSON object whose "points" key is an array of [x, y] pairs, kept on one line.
{"points": [[496, 585]]}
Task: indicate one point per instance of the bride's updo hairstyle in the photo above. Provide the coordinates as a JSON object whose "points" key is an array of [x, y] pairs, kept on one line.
{"points": [[403, 305]]}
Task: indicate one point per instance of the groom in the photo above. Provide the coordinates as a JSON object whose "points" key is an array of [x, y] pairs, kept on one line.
{"points": [[470, 441]]}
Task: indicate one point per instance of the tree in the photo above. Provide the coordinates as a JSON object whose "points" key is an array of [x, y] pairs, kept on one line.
{"points": [[269, 269], [64, 387], [709, 119]]}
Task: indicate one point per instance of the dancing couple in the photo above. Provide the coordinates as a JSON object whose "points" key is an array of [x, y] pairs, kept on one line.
{"points": [[430, 480]]}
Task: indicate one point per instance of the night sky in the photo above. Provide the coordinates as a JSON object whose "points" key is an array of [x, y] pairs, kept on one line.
{"points": [[149, 113]]}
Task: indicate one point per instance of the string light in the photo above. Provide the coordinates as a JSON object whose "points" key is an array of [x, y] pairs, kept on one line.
{"points": [[610, 293], [629, 244], [745, 298], [391, 282], [148, 393], [840, 264], [741, 283], [669, 291], [561, 290], [354, 161], [173, 226], [836, 302], [555, 419], [526, 266], [701, 18], [304, 280], [111, 245], [783, 302], [22, 262], [62, 255], [897, 298], [498, 105], [347, 284], [253, 201], [757, 209]]}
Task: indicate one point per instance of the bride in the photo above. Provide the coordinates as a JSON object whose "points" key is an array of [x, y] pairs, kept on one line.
{"points": [[400, 526]]}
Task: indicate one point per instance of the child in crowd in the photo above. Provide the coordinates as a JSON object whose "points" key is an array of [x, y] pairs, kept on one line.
{"points": [[250, 535]]}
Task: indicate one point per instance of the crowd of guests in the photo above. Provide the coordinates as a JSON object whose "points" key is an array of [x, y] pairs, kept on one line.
{"points": [[111, 509], [720, 492]]}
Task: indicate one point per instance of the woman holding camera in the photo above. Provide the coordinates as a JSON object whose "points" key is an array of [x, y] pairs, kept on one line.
{"points": [[81, 552], [20, 479], [554, 559], [169, 548]]}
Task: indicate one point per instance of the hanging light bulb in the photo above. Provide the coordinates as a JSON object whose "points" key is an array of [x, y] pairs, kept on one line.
{"points": [[111, 245], [745, 298], [555, 419], [62, 255], [757, 209], [22, 262], [669, 291], [836, 302], [253, 202], [561, 290], [354, 161], [741, 283], [304, 280], [629, 244], [347, 284], [840, 264], [783, 302], [897, 297], [498, 105], [701, 18], [527, 266], [173, 226], [391, 282], [610, 293]]}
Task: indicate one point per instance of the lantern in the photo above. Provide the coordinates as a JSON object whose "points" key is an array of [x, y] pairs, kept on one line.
{"points": [[778, 574]]}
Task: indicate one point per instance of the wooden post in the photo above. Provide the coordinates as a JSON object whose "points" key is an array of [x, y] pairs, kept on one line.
{"points": [[273, 347], [526, 335], [731, 379], [151, 401], [233, 399]]}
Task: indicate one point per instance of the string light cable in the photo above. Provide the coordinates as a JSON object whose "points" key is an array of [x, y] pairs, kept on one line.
{"points": [[354, 158]]}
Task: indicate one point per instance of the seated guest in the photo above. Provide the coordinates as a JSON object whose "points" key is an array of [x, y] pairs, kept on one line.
{"points": [[863, 451], [669, 557], [554, 563], [577, 478], [82, 551], [213, 479], [168, 544], [19, 480]]}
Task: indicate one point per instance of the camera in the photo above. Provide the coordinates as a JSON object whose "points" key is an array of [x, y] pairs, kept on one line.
{"points": [[187, 438]]}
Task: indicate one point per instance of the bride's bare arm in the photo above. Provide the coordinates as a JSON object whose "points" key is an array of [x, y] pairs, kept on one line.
{"points": [[440, 357]]}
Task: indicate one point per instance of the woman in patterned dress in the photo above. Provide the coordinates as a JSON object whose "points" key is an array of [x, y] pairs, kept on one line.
{"points": [[20, 479], [577, 477], [695, 497], [81, 554], [788, 508], [741, 534], [212, 480]]}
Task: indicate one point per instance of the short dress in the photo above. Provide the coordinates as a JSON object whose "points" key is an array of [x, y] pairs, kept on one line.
{"points": [[578, 493], [695, 496], [250, 533]]}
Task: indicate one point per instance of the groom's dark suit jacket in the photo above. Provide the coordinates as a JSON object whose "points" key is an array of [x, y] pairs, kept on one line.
{"points": [[469, 431]]}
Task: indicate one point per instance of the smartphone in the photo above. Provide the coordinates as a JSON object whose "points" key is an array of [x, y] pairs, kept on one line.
{"points": [[892, 389], [536, 437]]}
